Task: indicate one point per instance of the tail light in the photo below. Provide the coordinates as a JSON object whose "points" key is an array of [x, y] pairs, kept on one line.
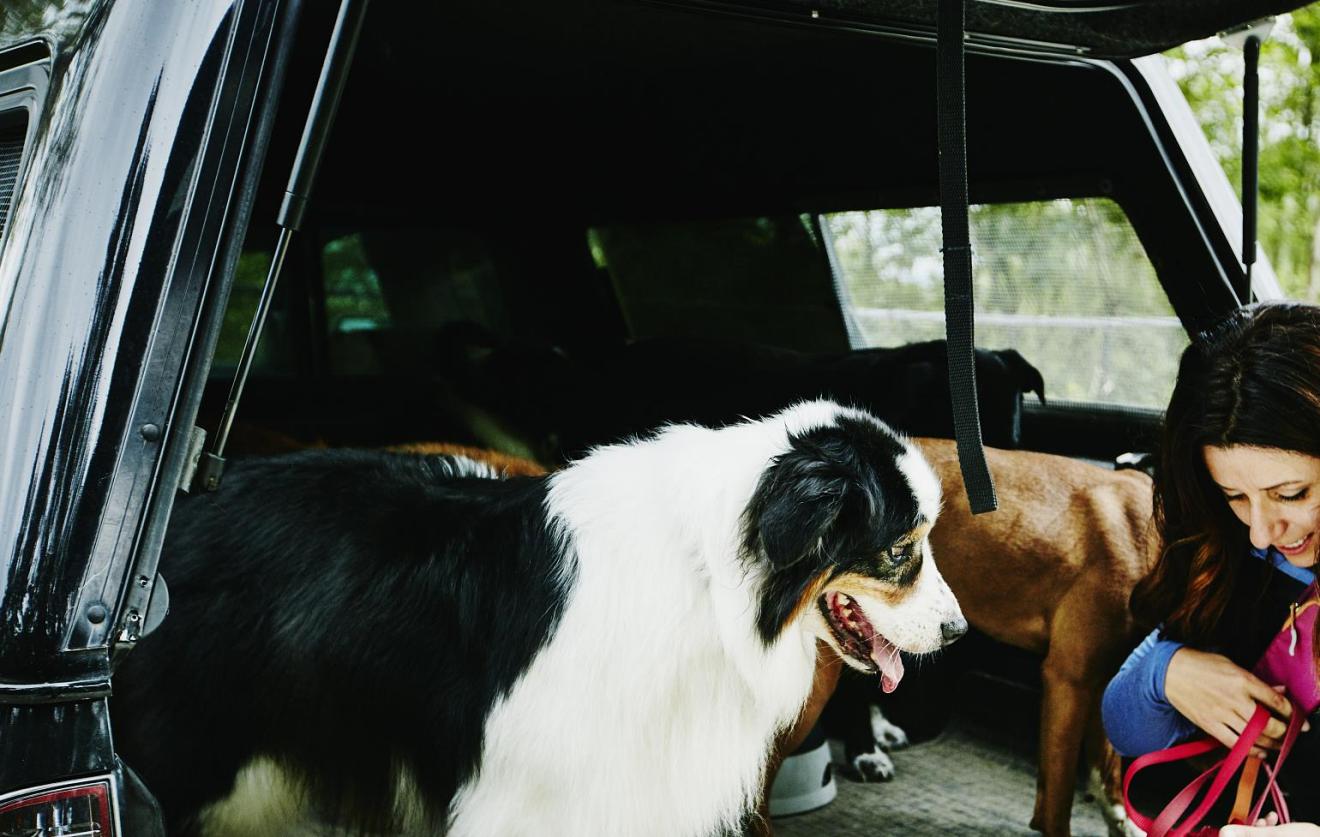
{"points": [[72, 810]]}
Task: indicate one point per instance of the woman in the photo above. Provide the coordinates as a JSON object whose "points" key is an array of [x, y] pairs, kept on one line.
{"points": [[1237, 504]]}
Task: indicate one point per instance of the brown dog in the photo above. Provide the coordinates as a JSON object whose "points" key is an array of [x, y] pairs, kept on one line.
{"points": [[1049, 572]]}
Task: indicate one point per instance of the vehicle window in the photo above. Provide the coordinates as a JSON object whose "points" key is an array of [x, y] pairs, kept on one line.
{"points": [[275, 351], [353, 300], [753, 279], [13, 131], [1209, 72], [1065, 282], [354, 306], [389, 295]]}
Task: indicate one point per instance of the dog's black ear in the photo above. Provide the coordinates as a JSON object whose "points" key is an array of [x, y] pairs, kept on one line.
{"points": [[797, 502], [1028, 377]]}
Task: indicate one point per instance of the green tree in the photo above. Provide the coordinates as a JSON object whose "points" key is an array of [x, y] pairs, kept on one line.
{"points": [[1065, 282], [1210, 75]]}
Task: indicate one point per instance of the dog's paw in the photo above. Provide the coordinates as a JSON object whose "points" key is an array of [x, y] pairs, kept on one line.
{"points": [[1116, 820], [1110, 805], [875, 766], [887, 735]]}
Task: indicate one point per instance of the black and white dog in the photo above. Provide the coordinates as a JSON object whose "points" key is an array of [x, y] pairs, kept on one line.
{"points": [[410, 644]]}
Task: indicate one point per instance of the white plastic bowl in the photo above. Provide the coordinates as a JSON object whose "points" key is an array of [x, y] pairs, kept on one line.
{"points": [[804, 783]]}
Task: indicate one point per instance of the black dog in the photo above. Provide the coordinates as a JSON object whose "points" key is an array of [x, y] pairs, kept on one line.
{"points": [[715, 381], [560, 406]]}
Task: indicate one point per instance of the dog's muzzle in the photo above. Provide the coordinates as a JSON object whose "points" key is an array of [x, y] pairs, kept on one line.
{"points": [[953, 629]]}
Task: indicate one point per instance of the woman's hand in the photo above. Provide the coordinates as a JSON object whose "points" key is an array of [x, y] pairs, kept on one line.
{"points": [[1269, 827], [1220, 697]]}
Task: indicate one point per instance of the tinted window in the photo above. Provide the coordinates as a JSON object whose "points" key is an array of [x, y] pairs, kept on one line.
{"points": [[761, 280], [1065, 282]]}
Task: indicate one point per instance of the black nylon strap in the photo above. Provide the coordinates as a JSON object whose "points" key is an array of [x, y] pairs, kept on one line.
{"points": [[958, 312], [1250, 160]]}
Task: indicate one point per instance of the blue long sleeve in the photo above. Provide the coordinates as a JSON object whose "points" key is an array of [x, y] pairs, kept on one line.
{"points": [[1138, 717]]}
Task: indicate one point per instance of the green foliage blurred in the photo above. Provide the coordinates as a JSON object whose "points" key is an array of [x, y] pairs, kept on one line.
{"points": [[352, 290], [1210, 75], [1065, 282], [249, 277]]}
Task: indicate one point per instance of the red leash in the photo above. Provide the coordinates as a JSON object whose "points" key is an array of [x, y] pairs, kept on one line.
{"points": [[1166, 823]]}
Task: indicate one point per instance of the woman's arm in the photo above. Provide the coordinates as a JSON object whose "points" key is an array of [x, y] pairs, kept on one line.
{"points": [[1138, 717], [1219, 697], [1166, 691]]}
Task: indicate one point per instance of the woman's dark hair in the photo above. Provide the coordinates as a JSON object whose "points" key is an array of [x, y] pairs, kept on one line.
{"points": [[1252, 380]]}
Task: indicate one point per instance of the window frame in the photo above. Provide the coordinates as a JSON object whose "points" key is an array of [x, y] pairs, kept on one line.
{"points": [[22, 88]]}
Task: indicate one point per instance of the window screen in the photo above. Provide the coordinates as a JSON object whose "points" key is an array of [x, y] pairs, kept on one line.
{"points": [[1065, 282], [13, 129]]}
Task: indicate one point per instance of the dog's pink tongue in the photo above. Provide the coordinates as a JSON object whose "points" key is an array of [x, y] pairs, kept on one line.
{"points": [[885, 655]]}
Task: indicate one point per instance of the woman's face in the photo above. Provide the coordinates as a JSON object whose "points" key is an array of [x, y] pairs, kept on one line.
{"points": [[1275, 492]]}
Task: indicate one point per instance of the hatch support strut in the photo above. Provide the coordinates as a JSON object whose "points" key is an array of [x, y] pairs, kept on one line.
{"points": [[320, 118]]}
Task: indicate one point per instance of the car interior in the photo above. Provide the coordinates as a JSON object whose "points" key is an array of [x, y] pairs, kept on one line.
{"points": [[538, 228], [531, 220], [542, 182]]}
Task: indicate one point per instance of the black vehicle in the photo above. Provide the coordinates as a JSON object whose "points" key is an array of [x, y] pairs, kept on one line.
{"points": [[506, 187]]}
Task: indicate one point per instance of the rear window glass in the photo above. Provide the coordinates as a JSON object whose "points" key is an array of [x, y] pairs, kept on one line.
{"points": [[275, 350], [389, 295], [1065, 282], [760, 279]]}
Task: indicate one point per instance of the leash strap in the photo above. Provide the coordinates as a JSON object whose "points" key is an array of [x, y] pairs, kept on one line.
{"points": [[1272, 789], [1178, 752], [1246, 790], [1166, 824], [958, 309]]}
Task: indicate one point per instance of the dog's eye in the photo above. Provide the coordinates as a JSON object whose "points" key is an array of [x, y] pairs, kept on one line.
{"points": [[900, 552]]}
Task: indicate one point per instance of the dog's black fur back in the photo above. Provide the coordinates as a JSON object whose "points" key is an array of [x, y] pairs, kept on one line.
{"points": [[328, 585]]}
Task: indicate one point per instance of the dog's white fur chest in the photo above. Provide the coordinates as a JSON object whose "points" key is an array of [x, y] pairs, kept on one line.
{"points": [[655, 698]]}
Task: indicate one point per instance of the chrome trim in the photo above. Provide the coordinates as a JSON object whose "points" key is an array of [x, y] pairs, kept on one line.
{"points": [[57, 691], [1072, 7], [977, 43]]}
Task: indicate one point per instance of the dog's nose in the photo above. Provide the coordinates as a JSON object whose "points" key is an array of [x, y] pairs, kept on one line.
{"points": [[953, 629]]}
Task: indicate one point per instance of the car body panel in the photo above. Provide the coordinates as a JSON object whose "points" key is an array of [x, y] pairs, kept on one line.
{"points": [[110, 253]]}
